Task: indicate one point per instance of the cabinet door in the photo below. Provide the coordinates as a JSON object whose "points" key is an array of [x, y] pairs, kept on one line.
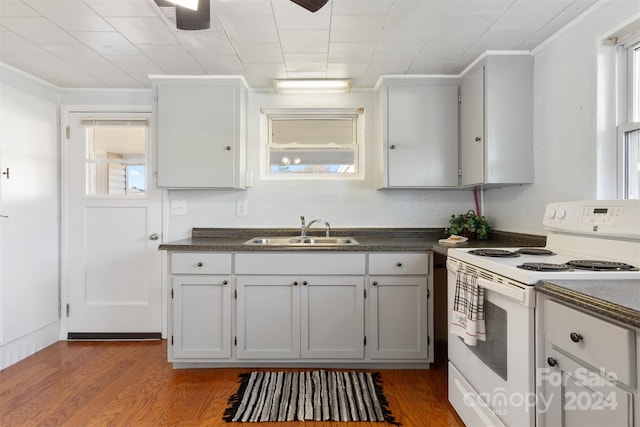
{"points": [[201, 317], [574, 395], [332, 317], [197, 135], [268, 317], [422, 140], [398, 316], [472, 127]]}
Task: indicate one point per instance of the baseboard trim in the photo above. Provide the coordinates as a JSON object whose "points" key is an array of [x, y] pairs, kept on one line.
{"points": [[113, 336]]}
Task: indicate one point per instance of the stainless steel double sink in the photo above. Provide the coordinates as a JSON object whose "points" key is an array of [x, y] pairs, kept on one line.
{"points": [[302, 241]]}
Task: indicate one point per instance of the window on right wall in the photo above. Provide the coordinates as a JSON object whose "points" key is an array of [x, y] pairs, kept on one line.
{"points": [[629, 129]]}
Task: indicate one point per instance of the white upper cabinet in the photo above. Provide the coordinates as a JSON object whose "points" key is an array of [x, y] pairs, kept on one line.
{"points": [[419, 131], [496, 121], [200, 132]]}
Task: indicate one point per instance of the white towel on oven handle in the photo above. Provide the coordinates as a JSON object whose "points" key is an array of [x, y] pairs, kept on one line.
{"points": [[467, 320]]}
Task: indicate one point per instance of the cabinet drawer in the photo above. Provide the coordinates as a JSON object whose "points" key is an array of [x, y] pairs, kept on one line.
{"points": [[200, 263], [595, 341], [328, 264], [399, 263]]}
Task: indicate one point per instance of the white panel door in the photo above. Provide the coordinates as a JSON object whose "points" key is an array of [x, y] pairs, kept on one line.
{"points": [[28, 215], [112, 262], [332, 317]]}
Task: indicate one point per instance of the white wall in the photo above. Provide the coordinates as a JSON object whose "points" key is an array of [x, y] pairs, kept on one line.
{"points": [[344, 203], [574, 122]]}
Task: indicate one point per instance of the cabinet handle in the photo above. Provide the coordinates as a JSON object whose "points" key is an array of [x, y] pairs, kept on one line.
{"points": [[199, 264], [393, 147], [224, 282], [575, 337], [295, 283], [228, 148], [478, 139], [399, 264], [375, 283], [6, 173], [305, 283], [552, 361]]}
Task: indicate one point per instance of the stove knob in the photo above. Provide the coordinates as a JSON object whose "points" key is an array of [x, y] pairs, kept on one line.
{"points": [[575, 337], [560, 213], [552, 361], [550, 213]]}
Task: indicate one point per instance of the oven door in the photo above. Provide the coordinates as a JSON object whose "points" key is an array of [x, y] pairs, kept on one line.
{"points": [[492, 383]]}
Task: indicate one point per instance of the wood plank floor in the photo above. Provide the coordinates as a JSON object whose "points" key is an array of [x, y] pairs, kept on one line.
{"points": [[131, 384]]}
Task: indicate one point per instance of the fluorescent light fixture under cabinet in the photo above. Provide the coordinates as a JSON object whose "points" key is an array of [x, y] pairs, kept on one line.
{"points": [[191, 4], [315, 86]]}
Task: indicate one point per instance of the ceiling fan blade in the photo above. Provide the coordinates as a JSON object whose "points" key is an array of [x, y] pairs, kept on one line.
{"points": [[187, 19], [311, 5]]}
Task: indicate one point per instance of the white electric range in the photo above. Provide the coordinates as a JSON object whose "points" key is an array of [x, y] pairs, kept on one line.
{"points": [[493, 382]]}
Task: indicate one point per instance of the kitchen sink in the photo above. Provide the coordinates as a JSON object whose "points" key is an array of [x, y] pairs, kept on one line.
{"points": [[302, 241]]}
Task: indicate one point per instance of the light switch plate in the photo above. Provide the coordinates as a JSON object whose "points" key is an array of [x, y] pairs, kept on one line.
{"points": [[178, 207]]}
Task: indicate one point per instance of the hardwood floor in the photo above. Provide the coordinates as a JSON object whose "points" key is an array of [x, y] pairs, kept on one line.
{"points": [[131, 384]]}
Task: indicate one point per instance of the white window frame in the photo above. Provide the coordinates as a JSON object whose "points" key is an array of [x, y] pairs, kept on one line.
{"points": [[311, 112], [629, 114]]}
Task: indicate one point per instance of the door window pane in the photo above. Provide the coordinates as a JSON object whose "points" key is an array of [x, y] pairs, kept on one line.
{"points": [[115, 156]]}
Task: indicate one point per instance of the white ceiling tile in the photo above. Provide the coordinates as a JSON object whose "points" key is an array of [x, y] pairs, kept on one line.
{"points": [[71, 15], [38, 30], [462, 28], [393, 40], [107, 43], [259, 53], [530, 14], [290, 16], [356, 28], [250, 28], [138, 67], [441, 52], [110, 75], [221, 64], [205, 42], [351, 52], [305, 62], [496, 39], [361, 7], [74, 54], [306, 75], [433, 68], [241, 7], [172, 59], [16, 8], [341, 70], [480, 7], [304, 41], [144, 30], [123, 7], [12, 45], [414, 15], [266, 71]]}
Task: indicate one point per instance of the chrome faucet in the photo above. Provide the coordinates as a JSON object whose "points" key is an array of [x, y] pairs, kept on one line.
{"points": [[305, 227], [327, 229]]}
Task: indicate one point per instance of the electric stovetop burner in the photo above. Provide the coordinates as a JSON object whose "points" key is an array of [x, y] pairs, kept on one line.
{"points": [[535, 251], [598, 265], [544, 266], [497, 253]]}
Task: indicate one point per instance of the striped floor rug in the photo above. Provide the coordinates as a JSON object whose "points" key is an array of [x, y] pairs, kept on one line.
{"points": [[309, 396]]}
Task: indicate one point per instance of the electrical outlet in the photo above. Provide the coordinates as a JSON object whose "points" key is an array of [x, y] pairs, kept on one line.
{"points": [[241, 208], [178, 207]]}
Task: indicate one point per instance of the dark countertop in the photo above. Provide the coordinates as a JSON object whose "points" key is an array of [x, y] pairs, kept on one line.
{"points": [[371, 240], [616, 299]]}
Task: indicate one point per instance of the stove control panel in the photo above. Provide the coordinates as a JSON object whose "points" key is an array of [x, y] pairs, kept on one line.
{"points": [[613, 218]]}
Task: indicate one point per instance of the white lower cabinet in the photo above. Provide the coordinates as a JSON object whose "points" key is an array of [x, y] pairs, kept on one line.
{"points": [[587, 370], [309, 317], [398, 306], [201, 315]]}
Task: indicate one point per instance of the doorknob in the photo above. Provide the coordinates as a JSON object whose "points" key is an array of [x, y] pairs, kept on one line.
{"points": [[154, 236]]}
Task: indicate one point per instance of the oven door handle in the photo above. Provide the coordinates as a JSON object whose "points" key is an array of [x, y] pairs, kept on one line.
{"points": [[510, 291]]}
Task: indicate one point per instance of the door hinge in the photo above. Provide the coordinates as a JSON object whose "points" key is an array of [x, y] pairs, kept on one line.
{"points": [[428, 341], [428, 293], [235, 341], [67, 309], [235, 294], [171, 293], [459, 98], [459, 172], [171, 339], [68, 132], [365, 340], [365, 293]]}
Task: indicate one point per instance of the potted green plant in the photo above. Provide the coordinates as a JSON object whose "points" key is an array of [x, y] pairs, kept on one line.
{"points": [[469, 225]]}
